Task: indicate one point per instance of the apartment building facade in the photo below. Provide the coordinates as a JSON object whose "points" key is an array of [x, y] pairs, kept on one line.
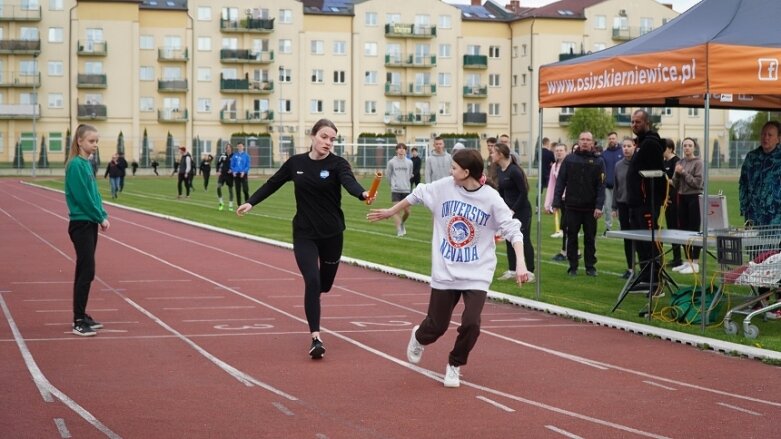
{"points": [[202, 71]]}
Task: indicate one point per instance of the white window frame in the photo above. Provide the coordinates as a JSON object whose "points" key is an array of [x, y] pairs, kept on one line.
{"points": [[55, 68], [204, 13], [204, 74], [316, 106], [318, 76], [146, 104], [370, 19], [370, 107], [55, 100], [204, 44], [56, 35], [146, 42], [340, 106]]}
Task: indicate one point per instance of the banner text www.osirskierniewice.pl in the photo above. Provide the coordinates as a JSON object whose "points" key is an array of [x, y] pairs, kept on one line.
{"points": [[612, 78]]}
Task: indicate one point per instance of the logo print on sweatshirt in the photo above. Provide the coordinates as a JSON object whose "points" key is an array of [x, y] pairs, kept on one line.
{"points": [[324, 174], [460, 232]]}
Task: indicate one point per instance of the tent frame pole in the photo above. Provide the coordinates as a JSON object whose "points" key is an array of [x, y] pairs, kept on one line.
{"points": [[704, 215], [538, 254]]}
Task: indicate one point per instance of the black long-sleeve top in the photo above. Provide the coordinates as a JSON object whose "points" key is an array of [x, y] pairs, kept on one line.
{"points": [[318, 192], [582, 175], [113, 170], [649, 156], [512, 187]]}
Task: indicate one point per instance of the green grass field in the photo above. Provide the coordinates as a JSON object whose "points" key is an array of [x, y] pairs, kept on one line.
{"points": [[377, 242]]}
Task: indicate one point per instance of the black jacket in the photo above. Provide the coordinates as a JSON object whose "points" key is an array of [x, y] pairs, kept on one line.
{"points": [[582, 175], [649, 156]]}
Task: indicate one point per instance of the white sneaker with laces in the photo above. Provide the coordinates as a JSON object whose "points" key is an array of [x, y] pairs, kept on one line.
{"points": [[452, 376], [683, 265], [403, 229], [558, 234], [507, 275], [414, 348], [691, 268]]}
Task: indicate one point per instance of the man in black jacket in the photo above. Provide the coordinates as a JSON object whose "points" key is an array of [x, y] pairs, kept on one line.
{"points": [[582, 175], [643, 207]]}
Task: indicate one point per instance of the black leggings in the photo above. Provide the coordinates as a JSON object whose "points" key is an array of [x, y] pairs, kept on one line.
{"points": [[318, 260], [241, 187], [84, 235], [183, 178], [525, 217], [689, 219]]}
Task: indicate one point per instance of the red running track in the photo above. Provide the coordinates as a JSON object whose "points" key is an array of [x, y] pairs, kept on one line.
{"points": [[205, 337]]}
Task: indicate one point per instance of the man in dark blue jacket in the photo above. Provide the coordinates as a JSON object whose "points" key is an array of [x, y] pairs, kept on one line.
{"points": [[611, 155]]}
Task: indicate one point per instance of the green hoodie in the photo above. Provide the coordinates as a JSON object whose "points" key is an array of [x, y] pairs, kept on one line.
{"points": [[81, 192]]}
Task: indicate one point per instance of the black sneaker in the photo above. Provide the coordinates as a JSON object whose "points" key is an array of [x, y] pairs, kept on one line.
{"points": [[317, 350], [80, 327], [92, 323], [559, 257], [591, 272], [572, 272]]}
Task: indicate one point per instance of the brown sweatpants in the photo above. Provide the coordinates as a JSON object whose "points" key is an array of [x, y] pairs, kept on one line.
{"points": [[440, 310]]}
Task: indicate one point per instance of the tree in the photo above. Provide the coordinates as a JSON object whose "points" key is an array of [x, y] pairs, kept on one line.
{"points": [[18, 156], [597, 121], [145, 150], [760, 119], [43, 158]]}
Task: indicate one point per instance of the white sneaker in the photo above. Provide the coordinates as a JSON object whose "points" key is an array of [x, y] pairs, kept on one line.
{"points": [[414, 348], [683, 265], [691, 268], [531, 277], [558, 234], [452, 376], [507, 275], [403, 230]]}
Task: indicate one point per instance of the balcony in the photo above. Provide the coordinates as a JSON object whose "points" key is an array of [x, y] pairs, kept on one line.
{"points": [[246, 86], [172, 115], [393, 89], [91, 112], [411, 61], [20, 13], [92, 48], [20, 111], [244, 56], [20, 79], [173, 55], [475, 119], [414, 119], [247, 25], [172, 86], [475, 61], [566, 56], [407, 30], [629, 33], [20, 47], [475, 91], [91, 80], [256, 117]]}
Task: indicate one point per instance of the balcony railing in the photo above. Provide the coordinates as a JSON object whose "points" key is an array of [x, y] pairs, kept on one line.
{"points": [[21, 47], [91, 112], [246, 86], [236, 117], [174, 55], [408, 30], [172, 115], [92, 48], [20, 111], [246, 56], [172, 85], [252, 25], [475, 91], [91, 80], [20, 13], [412, 61], [422, 119], [566, 56], [394, 89], [475, 118], [475, 61], [20, 79], [630, 32]]}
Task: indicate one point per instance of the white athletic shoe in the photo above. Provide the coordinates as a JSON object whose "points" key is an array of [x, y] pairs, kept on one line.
{"points": [[691, 268], [509, 274], [414, 348], [452, 376], [683, 265], [558, 234]]}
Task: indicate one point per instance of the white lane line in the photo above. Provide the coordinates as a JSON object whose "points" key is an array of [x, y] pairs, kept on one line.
{"points": [[519, 319], [53, 300], [103, 321], [70, 310], [495, 404], [282, 408], [740, 409], [364, 317], [651, 383], [156, 281], [43, 282], [299, 296], [400, 294], [62, 428], [226, 320], [187, 308], [267, 279], [184, 298], [345, 305], [564, 433]]}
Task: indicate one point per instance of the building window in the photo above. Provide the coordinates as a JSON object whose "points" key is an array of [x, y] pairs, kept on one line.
{"points": [[55, 141], [445, 50], [493, 109], [27, 68], [285, 16], [285, 46], [285, 75], [56, 5], [473, 49], [444, 108], [56, 100], [204, 105], [667, 111], [316, 106], [370, 107], [317, 47], [599, 46], [204, 74], [204, 44], [146, 73], [515, 51], [493, 52], [444, 79], [445, 22], [523, 107], [523, 78], [340, 48], [370, 19], [370, 77], [422, 20], [646, 25], [339, 106], [146, 104], [493, 80], [317, 76], [523, 49], [285, 106], [391, 18], [204, 13], [568, 47], [600, 22], [694, 112], [146, 42], [55, 68], [55, 35], [515, 81], [515, 109], [370, 49], [339, 77]]}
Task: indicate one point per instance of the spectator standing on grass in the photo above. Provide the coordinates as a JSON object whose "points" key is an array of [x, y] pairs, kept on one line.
{"points": [[86, 214], [225, 177], [154, 167], [548, 159], [240, 169], [438, 162], [318, 225], [399, 173], [467, 215], [611, 155], [416, 165], [621, 200], [671, 209], [513, 187], [123, 170], [183, 170], [559, 152], [205, 169], [114, 173], [134, 167], [688, 180], [582, 175]]}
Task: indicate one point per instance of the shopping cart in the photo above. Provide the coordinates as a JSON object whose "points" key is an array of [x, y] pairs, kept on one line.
{"points": [[750, 258]]}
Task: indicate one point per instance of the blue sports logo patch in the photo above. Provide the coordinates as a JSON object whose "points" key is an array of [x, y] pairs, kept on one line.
{"points": [[324, 174]]}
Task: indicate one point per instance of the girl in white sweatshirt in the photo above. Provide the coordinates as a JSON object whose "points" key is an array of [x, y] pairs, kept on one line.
{"points": [[467, 216]]}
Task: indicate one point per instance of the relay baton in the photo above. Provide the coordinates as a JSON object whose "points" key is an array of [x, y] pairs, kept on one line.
{"points": [[375, 186]]}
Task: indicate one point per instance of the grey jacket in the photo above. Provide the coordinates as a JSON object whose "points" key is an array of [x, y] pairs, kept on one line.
{"points": [[437, 166]]}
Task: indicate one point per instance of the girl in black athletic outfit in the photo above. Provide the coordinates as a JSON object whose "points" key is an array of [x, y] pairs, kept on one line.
{"points": [[318, 226]]}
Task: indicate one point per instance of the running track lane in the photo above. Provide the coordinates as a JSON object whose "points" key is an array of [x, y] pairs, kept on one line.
{"points": [[205, 337]]}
